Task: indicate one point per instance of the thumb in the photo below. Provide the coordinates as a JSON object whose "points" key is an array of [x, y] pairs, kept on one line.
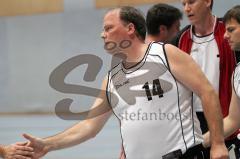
{"points": [[29, 137], [21, 143]]}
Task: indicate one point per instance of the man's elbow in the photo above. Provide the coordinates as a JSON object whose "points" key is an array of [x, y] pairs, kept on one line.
{"points": [[93, 134], [92, 130]]}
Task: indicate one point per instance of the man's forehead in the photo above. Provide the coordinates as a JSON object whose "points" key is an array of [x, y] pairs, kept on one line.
{"points": [[231, 22], [189, 0], [111, 16], [113, 12], [184, 1]]}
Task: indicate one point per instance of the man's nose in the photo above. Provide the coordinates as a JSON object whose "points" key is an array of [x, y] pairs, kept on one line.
{"points": [[226, 36], [186, 8], [103, 36]]}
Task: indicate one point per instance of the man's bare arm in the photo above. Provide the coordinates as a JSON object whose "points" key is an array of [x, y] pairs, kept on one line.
{"points": [[230, 123], [77, 134]]}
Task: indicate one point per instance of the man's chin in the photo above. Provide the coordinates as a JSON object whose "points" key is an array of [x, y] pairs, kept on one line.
{"points": [[118, 54], [236, 47], [114, 52]]}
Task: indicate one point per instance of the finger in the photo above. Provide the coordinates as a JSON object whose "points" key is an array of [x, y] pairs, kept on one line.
{"points": [[28, 144], [21, 143], [24, 148], [29, 137], [24, 153], [21, 157]]}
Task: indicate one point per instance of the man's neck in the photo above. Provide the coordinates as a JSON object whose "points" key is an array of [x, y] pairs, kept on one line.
{"points": [[135, 54], [205, 27], [151, 38]]}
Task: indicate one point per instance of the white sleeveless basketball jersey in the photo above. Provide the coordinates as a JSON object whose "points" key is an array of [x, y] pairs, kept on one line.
{"points": [[236, 80], [155, 111], [205, 52]]}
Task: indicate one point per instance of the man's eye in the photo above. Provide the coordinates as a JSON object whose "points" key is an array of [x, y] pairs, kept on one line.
{"points": [[107, 28], [191, 1], [230, 30]]}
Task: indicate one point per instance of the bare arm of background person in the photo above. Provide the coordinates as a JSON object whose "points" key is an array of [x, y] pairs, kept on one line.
{"points": [[16, 151], [187, 72], [78, 133], [230, 123]]}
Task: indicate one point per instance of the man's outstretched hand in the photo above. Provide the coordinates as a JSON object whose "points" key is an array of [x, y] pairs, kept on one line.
{"points": [[19, 150], [40, 148]]}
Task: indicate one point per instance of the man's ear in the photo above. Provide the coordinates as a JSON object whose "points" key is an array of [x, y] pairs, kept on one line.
{"points": [[162, 29], [163, 32], [208, 3], [131, 29]]}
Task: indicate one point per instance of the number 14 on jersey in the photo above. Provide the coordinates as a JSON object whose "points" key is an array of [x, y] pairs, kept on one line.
{"points": [[156, 89]]}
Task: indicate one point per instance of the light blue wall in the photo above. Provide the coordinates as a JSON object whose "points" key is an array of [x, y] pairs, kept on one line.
{"points": [[32, 46]]}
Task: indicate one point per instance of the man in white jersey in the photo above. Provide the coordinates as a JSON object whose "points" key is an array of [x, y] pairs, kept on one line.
{"points": [[203, 40], [163, 24], [149, 93], [232, 34]]}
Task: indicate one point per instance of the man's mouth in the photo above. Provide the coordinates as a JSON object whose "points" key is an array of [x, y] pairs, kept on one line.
{"points": [[230, 43], [190, 15]]}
